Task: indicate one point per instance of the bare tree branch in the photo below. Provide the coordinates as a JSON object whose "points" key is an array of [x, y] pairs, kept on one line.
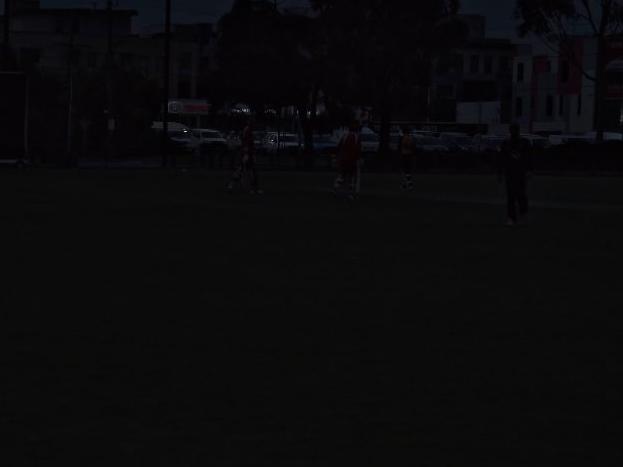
{"points": [[588, 16]]}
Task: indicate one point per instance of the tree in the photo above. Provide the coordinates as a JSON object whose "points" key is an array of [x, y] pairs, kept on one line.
{"points": [[380, 49], [268, 57], [135, 107], [553, 22], [259, 55]]}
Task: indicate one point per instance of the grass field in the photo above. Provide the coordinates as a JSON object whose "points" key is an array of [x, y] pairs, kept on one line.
{"points": [[150, 319]]}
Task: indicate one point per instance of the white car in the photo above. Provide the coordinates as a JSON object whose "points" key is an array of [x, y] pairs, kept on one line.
{"points": [[233, 141], [430, 144], [536, 141], [212, 138], [180, 135], [608, 136], [281, 142], [557, 140], [457, 142], [395, 138], [488, 143], [369, 141]]}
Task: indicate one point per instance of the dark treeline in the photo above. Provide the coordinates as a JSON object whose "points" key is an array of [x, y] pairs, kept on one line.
{"points": [[307, 72], [370, 53]]}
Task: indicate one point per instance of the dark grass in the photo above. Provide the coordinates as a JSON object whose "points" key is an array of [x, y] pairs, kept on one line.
{"points": [[151, 319]]}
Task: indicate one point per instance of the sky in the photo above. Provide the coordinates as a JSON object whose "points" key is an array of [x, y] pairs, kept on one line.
{"points": [[499, 12]]}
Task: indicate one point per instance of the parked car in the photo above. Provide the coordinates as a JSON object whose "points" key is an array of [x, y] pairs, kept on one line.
{"points": [[457, 142], [288, 143], [325, 145], [325, 148], [430, 144], [536, 142], [488, 143], [180, 137], [212, 145], [369, 141], [233, 141], [394, 140], [557, 140], [608, 136], [432, 134], [210, 140], [258, 138]]}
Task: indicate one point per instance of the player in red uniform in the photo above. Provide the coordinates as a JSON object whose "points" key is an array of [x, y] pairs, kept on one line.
{"points": [[349, 156], [247, 168]]}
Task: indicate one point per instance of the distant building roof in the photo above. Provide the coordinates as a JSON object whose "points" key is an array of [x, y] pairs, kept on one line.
{"points": [[74, 11]]}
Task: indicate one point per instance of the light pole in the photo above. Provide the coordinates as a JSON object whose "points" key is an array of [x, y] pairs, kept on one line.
{"points": [[70, 81], [166, 83], [110, 122], [6, 42]]}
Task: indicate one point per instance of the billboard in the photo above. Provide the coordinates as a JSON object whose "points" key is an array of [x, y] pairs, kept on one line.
{"points": [[12, 116]]}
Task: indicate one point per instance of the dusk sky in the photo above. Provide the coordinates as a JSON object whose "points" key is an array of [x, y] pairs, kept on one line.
{"points": [[498, 12]]}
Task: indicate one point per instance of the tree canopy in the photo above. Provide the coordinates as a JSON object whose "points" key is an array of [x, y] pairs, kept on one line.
{"points": [[380, 50], [357, 52], [260, 54]]}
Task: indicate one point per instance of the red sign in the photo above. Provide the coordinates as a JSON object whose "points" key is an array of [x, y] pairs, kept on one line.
{"points": [[189, 107]]}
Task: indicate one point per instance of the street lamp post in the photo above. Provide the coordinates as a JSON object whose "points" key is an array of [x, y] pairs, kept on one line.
{"points": [[166, 83], [110, 122], [6, 41], [70, 98]]}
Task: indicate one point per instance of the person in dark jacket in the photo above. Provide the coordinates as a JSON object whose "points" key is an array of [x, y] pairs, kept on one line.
{"points": [[514, 166], [407, 155]]}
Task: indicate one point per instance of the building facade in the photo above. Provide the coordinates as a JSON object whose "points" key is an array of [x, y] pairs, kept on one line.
{"points": [[554, 94], [473, 84], [53, 41]]}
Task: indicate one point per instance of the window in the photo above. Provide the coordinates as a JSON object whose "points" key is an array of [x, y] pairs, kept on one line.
{"points": [[480, 91], [561, 105], [519, 107], [445, 91], [443, 66], [549, 108], [488, 65], [185, 61], [183, 89], [520, 72], [127, 60], [474, 64], [580, 104], [504, 64], [30, 57], [92, 60], [564, 72], [75, 57], [457, 59], [206, 63]]}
